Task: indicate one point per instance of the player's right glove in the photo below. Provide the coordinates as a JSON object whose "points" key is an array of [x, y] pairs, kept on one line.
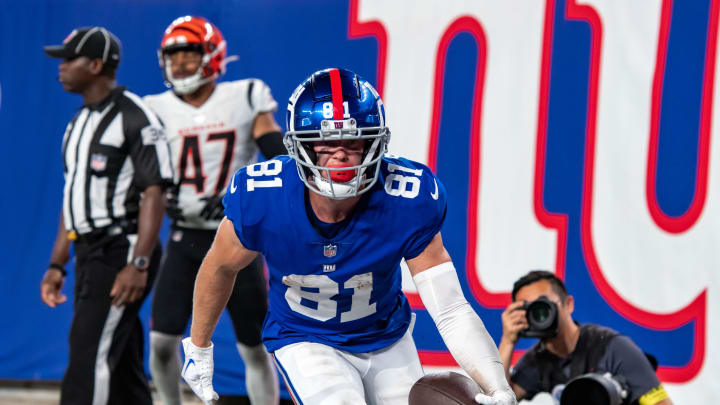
{"points": [[198, 370], [500, 397], [172, 208]]}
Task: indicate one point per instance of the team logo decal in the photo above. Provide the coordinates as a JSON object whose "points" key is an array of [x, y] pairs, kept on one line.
{"points": [[330, 250], [98, 162]]}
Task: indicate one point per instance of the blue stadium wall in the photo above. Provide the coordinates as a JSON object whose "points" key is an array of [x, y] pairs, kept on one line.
{"points": [[573, 136]]}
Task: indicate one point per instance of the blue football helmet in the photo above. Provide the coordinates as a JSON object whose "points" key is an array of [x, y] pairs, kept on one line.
{"points": [[334, 105]]}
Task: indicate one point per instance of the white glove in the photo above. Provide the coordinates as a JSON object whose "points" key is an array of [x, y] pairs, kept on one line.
{"points": [[500, 397], [198, 370]]}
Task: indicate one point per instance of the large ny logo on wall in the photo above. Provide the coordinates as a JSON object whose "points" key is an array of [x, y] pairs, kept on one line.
{"points": [[647, 220]]}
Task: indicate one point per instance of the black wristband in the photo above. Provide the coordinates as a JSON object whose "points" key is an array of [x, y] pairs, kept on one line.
{"points": [[58, 266], [271, 144]]}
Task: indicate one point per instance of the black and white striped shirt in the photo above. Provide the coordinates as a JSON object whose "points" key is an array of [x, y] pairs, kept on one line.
{"points": [[112, 151]]}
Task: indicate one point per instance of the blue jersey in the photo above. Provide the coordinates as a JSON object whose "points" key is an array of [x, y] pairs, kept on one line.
{"points": [[344, 291]]}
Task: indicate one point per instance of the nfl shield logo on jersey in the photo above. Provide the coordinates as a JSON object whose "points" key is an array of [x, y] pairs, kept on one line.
{"points": [[330, 250], [98, 161]]}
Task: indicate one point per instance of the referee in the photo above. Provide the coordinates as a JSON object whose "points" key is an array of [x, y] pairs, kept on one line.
{"points": [[116, 164]]}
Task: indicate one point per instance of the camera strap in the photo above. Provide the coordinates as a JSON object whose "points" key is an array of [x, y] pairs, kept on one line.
{"points": [[591, 346], [590, 349]]}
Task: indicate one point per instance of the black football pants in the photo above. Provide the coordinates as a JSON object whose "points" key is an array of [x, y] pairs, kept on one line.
{"points": [[172, 302], [106, 342]]}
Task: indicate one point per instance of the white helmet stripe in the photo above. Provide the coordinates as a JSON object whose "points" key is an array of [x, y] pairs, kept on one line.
{"points": [[208, 31]]}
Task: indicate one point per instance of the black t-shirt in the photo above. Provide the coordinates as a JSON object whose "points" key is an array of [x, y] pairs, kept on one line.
{"points": [[621, 357]]}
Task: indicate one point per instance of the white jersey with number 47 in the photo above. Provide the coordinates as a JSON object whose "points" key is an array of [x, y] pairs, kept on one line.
{"points": [[211, 142]]}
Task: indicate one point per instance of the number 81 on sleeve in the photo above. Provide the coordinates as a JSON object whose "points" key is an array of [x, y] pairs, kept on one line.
{"points": [[264, 169]]}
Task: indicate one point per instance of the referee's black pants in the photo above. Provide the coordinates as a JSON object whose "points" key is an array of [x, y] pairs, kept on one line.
{"points": [[106, 342]]}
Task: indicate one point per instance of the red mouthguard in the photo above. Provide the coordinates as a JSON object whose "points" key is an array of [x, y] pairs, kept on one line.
{"points": [[342, 176]]}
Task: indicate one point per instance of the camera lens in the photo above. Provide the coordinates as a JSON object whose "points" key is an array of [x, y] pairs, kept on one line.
{"points": [[586, 391], [541, 314], [594, 389], [542, 317]]}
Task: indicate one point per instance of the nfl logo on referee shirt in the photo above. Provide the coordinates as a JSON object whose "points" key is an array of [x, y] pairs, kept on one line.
{"points": [[98, 161], [330, 250]]}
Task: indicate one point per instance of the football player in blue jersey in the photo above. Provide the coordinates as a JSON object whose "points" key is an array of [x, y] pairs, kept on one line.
{"points": [[338, 324]]}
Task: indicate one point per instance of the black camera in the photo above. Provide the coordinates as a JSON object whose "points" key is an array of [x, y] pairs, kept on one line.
{"points": [[595, 389], [542, 318]]}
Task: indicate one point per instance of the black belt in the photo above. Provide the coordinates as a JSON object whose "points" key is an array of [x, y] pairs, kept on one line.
{"points": [[111, 230]]}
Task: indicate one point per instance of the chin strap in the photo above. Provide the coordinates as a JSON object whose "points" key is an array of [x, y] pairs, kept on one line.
{"points": [[188, 84], [192, 83], [337, 190]]}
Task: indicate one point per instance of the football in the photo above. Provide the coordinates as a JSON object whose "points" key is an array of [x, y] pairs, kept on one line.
{"points": [[446, 388]]}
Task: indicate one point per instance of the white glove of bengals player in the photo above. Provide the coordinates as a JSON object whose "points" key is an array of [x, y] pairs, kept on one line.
{"points": [[198, 370], [501, 397]]}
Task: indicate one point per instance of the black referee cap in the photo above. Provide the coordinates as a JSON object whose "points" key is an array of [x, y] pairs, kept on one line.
{"points": [[93, 42]]}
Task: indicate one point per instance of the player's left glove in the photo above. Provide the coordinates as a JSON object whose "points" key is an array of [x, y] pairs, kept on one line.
{"points": [[500, 397], [213, 209], [198, 370]]}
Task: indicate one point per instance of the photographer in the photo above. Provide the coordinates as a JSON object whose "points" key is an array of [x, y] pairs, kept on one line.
{"points": [[566, 349]]}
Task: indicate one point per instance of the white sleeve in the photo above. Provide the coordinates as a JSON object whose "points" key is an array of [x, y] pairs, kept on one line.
{"points": [[260, 97], [461, 328]]}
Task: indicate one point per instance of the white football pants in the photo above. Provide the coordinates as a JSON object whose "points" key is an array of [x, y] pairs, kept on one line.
{"points": [[317, 374]]}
